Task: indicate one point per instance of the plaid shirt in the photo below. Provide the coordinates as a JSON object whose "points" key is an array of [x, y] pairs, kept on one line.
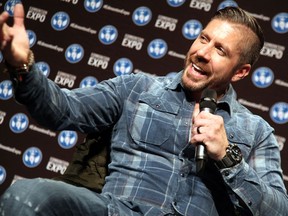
{"points": [[153, 169]]}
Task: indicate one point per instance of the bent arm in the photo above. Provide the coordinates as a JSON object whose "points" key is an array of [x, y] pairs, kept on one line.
{"points": [[258, 181], [87, 110]]}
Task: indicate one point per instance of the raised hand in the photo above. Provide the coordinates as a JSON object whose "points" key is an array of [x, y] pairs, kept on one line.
{"points": [[13, 39]]}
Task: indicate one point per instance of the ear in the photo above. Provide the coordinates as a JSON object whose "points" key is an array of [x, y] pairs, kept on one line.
{"points": [[241, 72]]}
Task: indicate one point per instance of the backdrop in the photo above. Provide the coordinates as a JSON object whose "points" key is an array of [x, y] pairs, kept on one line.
{"points": [[80, 43]]}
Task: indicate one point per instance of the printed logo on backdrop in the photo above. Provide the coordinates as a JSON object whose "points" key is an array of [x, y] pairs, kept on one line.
{"points": [[2, 174], [272, 50], [279, 113], [142, 16], [32, 37], [60, 21], [88, 81], [280, 23], [36, 14], [108, 34], [98, 61], [122, 66], [263, 77], [93, 6], [191, 29], [201, 4], [32, 157], [43, 67], [10, 149], [65, 79], [6, 90], [167, 23], [132, 42], [175, 3], [67, 139], [19, 123], [9, 6], [157, 48], [74, 53], [56, 165], [227, 3]]}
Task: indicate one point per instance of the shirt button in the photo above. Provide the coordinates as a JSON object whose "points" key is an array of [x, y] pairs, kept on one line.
{"points": [[226, 173], [182, 174]]}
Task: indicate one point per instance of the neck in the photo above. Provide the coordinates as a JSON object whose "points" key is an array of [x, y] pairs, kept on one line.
{"points": [[196, 95]]}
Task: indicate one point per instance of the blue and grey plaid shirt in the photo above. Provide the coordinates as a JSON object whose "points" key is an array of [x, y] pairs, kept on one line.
{"points": [[153, 169]]}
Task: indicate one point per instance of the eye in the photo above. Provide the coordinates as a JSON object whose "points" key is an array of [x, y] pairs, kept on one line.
{"points": [[203, 39], [221, 51]]}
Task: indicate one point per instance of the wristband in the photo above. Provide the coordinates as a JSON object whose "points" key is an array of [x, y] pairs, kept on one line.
{"points": [[19, 72]]}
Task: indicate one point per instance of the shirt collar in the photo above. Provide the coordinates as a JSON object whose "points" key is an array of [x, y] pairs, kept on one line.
{"points": [[227, 102], [175, 81]]}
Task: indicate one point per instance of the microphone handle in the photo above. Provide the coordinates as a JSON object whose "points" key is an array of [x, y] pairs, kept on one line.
{"points": [[200, 150], [201, 157]]}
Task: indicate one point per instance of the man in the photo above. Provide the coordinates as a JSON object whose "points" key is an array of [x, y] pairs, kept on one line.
{"points": [[155, 132]]}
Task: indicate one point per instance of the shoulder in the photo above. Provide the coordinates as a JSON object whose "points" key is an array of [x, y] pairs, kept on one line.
{"points": [[251, 126], [142, 80]]}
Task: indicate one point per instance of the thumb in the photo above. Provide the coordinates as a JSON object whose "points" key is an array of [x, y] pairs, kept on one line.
{"points": [[18, 15]]}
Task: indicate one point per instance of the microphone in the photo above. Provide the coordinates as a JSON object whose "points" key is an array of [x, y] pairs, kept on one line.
{"points": [[208, 103]]}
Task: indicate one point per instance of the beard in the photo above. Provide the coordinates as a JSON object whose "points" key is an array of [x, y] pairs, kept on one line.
{"points": [[192, 85]]}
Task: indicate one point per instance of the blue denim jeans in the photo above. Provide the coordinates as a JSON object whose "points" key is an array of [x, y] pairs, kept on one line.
{"points": [[29, 197]]}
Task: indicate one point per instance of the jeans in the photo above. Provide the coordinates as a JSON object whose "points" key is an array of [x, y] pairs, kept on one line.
{"points": [[48, 197]]}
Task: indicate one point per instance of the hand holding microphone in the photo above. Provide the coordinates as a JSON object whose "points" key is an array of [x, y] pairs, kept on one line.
{"points": [[208, 103]]}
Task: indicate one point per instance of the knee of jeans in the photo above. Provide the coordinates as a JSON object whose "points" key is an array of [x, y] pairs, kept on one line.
{"points": [[28, 197], [27, 191]]}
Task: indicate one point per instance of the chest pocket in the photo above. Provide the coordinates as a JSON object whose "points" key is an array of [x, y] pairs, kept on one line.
{"points": [[152, 121], [243, 138]]}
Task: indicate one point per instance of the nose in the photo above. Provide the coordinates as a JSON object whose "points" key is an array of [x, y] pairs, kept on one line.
{"points": [[204, 53]]}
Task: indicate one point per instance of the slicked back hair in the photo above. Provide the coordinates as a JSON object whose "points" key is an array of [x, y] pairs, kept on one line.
{"points": [[236, 15]]}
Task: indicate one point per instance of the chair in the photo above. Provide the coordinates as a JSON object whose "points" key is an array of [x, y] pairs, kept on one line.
{"points": [[88, 167]]}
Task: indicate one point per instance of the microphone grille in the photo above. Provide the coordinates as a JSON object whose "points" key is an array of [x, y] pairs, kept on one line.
{"points": [[208, 99]]}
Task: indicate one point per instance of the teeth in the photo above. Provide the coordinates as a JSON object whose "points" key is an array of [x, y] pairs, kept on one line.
{"points": [[197, 68]]}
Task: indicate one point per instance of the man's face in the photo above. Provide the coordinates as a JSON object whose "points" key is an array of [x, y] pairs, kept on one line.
{"points": [[213, 58]]}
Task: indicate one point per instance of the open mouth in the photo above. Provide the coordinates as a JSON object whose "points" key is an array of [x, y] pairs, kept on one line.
{"points": [[198, 69]]}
